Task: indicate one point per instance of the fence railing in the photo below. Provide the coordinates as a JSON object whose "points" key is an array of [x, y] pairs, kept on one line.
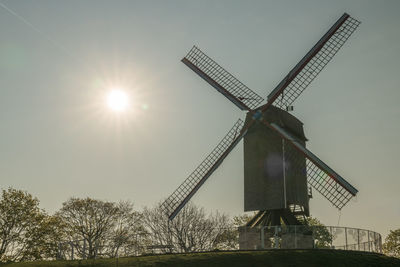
{"points": [[242, 238], [307, 237]]}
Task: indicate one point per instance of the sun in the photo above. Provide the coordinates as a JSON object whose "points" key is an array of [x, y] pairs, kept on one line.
{"points": [[117, 100]]}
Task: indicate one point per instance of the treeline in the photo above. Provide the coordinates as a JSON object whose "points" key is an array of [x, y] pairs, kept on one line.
{"points": [[92, 228], [89, 228]]}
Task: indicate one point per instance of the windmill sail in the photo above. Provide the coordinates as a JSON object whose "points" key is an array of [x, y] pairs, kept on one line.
{"points": [[289, 89], [319, 175], [178, 199], [240, 95]]}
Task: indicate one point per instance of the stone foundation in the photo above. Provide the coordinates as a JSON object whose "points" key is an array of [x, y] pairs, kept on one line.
{"points": [[291, 240], [251, 239]]}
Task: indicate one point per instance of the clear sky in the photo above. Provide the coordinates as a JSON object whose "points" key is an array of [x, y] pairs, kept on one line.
{"points": [[58, 138]]}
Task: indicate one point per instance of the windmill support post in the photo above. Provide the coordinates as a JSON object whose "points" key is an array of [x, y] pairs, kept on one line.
{"points": [[369, 242], [276, 237], [262, 238]]}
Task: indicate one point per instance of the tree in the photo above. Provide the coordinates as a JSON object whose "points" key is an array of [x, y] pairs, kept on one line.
{"points": [[242, 220], [43, 241], [20, 217], [191, 230], [391, 247], [323, 238], [127, 233], [229, 238], [97, 228], [89, 221]]}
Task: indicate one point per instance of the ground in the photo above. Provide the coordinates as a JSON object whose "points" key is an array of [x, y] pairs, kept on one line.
{"points": [[235, 259]]}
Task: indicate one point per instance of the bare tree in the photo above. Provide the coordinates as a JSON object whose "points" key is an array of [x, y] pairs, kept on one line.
{"points": [[243, 219], [89, 220], [127, 234], [191, 230]]}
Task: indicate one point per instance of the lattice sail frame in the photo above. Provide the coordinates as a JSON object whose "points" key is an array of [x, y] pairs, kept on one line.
{"points": [[222, 80], [319, 179], [327, 186], [320, 57], [319, 175], [175, 202]]}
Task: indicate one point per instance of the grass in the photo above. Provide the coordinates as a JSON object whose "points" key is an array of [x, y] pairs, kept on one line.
{"points": [[233, 259]]}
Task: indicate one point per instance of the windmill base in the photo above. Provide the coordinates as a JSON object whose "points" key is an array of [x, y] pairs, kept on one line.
{"points": [[266, 238], [251, 239], [291, 240], [264, 231]]}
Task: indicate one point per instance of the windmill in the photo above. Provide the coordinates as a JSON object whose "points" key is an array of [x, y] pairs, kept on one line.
{"points": [[278, 168]]}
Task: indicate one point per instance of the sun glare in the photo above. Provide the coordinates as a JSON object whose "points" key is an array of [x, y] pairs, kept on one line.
{"points": [[117, 100]]}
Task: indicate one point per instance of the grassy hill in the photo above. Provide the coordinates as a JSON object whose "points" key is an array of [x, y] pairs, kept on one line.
{"points": [[235, 259]]}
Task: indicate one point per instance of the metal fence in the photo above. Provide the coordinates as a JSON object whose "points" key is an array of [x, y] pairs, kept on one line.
{"points": [[242, 238], [309, 237], [105, 248]]}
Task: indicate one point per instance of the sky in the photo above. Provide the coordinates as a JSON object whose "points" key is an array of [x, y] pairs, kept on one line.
{"points": [[59, 140]]}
